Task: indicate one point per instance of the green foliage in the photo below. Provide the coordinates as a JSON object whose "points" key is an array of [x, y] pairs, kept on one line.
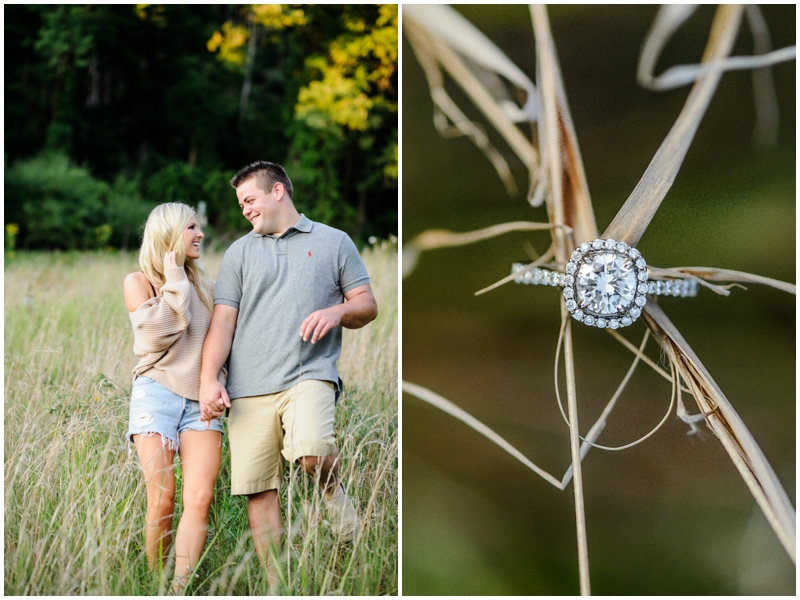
{"points": [[139, 95], [57, 205]]}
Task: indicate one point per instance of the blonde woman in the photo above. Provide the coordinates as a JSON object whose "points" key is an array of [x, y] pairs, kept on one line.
{"points": [[170, 303]]}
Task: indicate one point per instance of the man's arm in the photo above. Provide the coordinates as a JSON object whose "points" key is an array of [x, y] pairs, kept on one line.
{"points": [[359, 309], [216, 348]]}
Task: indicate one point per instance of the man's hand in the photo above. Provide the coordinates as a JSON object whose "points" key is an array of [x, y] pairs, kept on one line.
{"points": [[213, 396], [213, 400], [320, 322], [359, 309]]}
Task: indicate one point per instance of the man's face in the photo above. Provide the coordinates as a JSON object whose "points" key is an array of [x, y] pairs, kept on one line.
{"points": [[258, 207]]}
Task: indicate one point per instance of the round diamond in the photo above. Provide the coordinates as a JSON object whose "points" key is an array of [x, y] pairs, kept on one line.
{"points": [[622, 247], [568, 292], [571, 305], [589, 320], [606, 283], [626, 321], [610, 244], [601, 322], [642, 275], [584, 247], [569, 280], [640, 301], [597, 244], [613, 323], [578, 315], [640, 263], [642, 288], [635, 312], [634, 253], [571, 267]]}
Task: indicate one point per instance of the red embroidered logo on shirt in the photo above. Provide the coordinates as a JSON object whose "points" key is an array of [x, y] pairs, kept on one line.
{"points": [[309, 254]]}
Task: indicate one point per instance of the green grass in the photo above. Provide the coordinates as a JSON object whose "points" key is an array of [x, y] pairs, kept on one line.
{"points": [[74, 498]]}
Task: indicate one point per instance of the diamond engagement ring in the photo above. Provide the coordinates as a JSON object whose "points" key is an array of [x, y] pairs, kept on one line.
{"points": [[605, 283]]}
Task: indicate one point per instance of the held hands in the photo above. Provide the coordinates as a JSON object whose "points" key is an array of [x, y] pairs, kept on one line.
{"points": [[320, 322], [213, 400]]}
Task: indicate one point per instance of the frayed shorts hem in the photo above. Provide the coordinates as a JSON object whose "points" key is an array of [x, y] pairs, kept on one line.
{"points": [[166, 441]]}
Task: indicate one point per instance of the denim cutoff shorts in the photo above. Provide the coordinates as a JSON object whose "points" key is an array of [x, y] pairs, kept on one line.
{"points": [[154, 409]]}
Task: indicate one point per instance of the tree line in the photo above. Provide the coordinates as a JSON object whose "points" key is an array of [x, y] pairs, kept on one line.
{"points": [[112, 109]]}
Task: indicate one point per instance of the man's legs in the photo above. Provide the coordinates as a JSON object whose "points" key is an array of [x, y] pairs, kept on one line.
{"points": [[309, 440], [324, 469], [266, 527]]}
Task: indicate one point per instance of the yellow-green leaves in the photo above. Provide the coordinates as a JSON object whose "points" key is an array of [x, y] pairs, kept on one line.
{"points": [[351, 82], [230, 43]]}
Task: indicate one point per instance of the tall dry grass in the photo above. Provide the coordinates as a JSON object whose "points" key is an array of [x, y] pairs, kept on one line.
{"points": [[74, 499]]}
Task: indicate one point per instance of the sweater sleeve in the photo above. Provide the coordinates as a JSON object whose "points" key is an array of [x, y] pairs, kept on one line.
{"points": [[160, 321]]}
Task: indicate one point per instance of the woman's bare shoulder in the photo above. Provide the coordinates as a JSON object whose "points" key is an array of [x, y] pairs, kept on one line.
{"points": [[136, 289]]}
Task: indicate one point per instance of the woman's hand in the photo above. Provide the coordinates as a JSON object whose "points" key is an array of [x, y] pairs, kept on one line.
{"points": [[169, 260]]}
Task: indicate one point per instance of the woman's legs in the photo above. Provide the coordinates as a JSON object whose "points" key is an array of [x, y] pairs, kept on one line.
{"points": [[156, 460], [200, 453]]}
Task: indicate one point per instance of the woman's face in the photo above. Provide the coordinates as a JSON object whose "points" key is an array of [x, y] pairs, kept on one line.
{"points": [[191, 239]]}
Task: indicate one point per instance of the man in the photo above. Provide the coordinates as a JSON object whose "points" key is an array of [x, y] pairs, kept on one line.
{"points": [[279, 309]]}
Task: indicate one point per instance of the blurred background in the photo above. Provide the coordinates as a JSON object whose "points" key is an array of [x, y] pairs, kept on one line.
{"points": [[671, 515], [111, 109]]}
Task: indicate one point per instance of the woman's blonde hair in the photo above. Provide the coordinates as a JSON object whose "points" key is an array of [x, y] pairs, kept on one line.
{"points": [[163, 232]]}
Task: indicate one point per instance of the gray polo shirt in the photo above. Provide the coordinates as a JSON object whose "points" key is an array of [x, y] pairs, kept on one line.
{"points": [[276, 282]]}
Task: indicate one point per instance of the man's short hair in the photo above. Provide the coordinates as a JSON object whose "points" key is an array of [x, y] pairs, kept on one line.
{"points": [[267, 174]]}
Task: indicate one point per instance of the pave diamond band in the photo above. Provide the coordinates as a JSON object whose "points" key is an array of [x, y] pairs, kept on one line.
{"points": [[606, 283]]}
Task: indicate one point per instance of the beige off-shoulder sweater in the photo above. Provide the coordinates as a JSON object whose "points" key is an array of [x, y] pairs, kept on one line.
{"points": [[168, 335]]}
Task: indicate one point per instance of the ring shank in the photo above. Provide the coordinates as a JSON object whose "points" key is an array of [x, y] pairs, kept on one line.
{"points": [[683, 288]]}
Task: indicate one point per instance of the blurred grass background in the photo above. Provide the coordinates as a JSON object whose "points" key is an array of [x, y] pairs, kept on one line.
{"points": [[672, 515]]}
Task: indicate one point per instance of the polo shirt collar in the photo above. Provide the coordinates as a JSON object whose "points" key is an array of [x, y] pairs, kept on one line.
{"points": [[303, 225]]}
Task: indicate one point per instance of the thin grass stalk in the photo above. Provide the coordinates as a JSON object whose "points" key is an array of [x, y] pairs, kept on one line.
{"points": [[556, 211], [561, 143], [577, 474]]}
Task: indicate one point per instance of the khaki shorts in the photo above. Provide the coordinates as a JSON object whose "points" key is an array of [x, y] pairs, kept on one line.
{"points": [[264, 430]]}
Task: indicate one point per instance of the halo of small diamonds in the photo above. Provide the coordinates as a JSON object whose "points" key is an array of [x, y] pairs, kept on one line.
{"points": [[607, 284]]}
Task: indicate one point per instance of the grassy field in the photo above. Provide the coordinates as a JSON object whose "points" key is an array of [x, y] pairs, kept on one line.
{"points": [[74, 499]]}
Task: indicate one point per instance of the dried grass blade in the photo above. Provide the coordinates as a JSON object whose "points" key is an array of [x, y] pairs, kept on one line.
{"points": [[422, 46], [638, 210], [432, 239], [475, 89], [563, 210], [715, 274], [538, 262], [457, 32], [726, 424], [765, 132], [577, 475], [451, 409], [570, 203]]}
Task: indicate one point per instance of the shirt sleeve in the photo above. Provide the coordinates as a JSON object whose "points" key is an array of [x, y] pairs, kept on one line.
{"points": [[352, 272], [229, 279], [159, 322]]}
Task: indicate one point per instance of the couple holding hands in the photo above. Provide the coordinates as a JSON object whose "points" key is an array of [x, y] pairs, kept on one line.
{"points": [[283, 293]]}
